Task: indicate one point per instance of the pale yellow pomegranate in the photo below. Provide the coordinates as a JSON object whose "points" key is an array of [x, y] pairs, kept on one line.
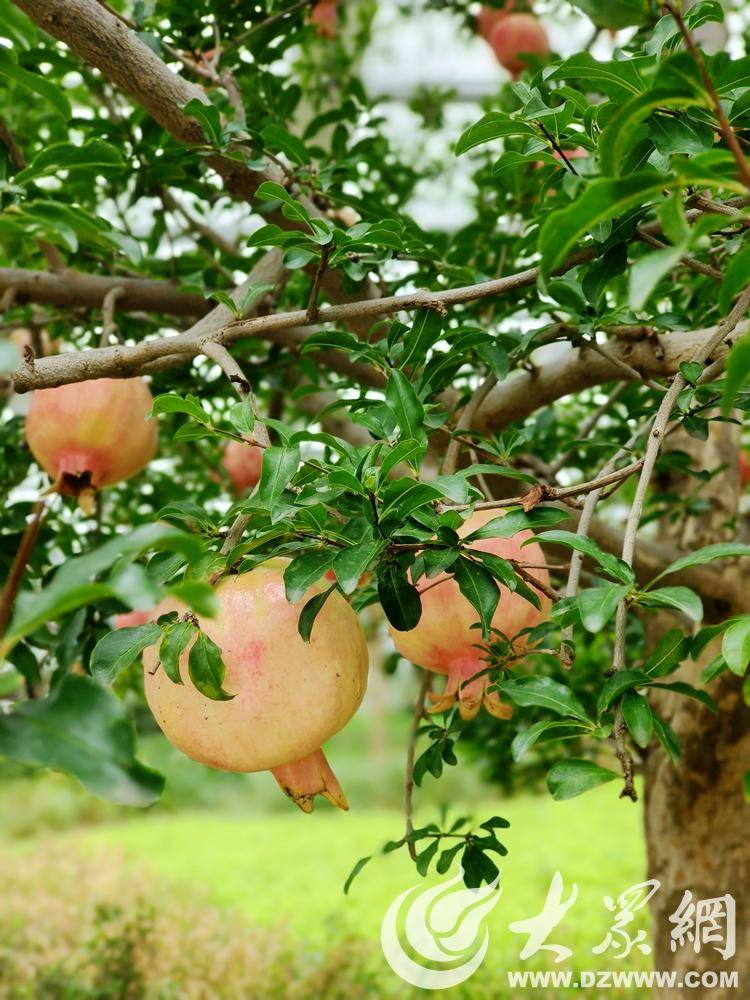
{"points": [[444, 640], [289, 696], [91, 434]]}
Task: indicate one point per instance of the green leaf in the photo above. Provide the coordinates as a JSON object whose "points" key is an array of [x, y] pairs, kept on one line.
{"points": [[279, 468], [209, 118], [95, 156], [722, 550], [480, 590], [117, 650], [176, 637], [426, 330], [525, 739], [304, 570], [198, 595], [278, 139], [736, 277], [398, 596], [613, 566], [602, 200], [407, 450], [354, 872], [544, 692], [34, 82], [596, 605], [569, 778], [291, 209], [73, 584], [517, 520], [81, 729], [349, 564], [206, 668], [649, 270], [738, 373], [171, 402], [688, 691], [310, 612], [638, 717], [682, 599], [670, 651], [735, 646], [618, 684], [495, 125], [403, 402], [619, 137], [668, 739]]}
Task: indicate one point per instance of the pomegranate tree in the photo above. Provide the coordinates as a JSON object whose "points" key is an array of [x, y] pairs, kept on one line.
{"points": [[243, 462], [444, 640], [516, 37], [91, 434], [288, 696]]}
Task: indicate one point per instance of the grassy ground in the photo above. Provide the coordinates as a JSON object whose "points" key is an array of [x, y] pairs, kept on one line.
{"points": [[291, 868], [226, 890]]}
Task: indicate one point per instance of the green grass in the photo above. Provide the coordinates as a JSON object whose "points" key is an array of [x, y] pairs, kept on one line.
{"points": [[290, 869]]}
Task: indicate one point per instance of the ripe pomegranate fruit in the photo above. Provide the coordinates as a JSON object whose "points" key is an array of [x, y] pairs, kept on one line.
{"points": [[744, 470], [91, 434], [516, 37], [243, 464], [130, 619], [488, 17], [324, 16], [289, 696], [444, 641]]}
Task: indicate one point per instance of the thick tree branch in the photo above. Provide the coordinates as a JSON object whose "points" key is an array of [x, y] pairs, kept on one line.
{"points": [[525, 392], [76, 289], [120, 362]]}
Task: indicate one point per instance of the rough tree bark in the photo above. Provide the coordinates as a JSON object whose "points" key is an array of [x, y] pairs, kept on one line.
{"points": [[696, 817]]}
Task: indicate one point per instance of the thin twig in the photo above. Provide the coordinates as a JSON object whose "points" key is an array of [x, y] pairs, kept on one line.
{"points": [[13, 583], [266, 23], [730, 136], [589, 425], [109, 326], [465, 421], [312, 302], [695, 265]]}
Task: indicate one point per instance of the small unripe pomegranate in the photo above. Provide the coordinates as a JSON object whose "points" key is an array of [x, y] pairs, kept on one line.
{"points": [[243, 463], [289, 696], [91, 434], [444, 640], [488, 17], [744, 470], [324, 16], [516, 37]]}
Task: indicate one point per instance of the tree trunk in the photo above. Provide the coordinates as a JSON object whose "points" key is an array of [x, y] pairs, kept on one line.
{"points": [[695, 814]]}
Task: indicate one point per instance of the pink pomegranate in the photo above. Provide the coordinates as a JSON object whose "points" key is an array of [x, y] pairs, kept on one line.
{"points": [[129, 619], [91, 434], [289, 696], [488, 17], [515, 37], [444, 640], [324, 16], [243, 463], [744, 470]]}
